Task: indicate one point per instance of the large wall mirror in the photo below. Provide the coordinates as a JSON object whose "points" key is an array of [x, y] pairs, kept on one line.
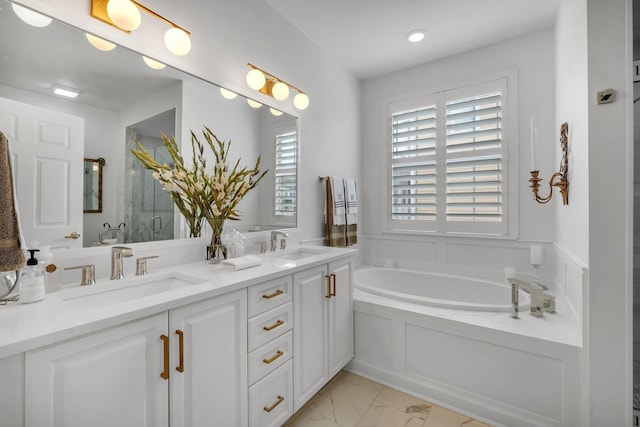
{"points": [[122, 100]]}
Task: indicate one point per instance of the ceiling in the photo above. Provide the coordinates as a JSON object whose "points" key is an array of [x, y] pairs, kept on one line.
{"points": [[368, 36]]}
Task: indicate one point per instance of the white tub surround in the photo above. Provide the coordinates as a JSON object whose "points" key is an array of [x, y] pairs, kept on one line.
{"points": [[504, 371], [159, 355]]}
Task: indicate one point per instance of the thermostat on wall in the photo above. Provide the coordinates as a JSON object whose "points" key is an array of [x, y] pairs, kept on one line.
{"points": [[606, 96]]}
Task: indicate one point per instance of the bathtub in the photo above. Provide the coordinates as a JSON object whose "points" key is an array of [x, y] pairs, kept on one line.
{"points": [[438, 290], [448, 339]]}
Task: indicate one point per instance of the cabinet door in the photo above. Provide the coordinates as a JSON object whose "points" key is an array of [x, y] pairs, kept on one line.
{"points": [[310, 365], [340, 317], [211, 390], [110, 378]]}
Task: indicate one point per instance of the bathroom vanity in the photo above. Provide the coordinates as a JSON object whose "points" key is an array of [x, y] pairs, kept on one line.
{"points": [[189, 345]]}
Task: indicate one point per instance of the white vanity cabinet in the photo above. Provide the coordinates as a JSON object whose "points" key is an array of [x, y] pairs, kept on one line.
{"points": [[270, 371], [185, 367], [323, 326]]}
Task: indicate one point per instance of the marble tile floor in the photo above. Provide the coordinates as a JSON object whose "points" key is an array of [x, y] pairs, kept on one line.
{"points": [[349, 400]]}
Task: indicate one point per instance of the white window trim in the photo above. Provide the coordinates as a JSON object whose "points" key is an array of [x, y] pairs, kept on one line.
{"points": [[510, 136]]}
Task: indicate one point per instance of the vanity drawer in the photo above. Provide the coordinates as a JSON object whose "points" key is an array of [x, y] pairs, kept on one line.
{"points": [[271, 398], [269, 357], [267, 295], [266, 326]]}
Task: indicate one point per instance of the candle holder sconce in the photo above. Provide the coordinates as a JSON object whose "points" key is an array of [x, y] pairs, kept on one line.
{"points": [[558, 179]]}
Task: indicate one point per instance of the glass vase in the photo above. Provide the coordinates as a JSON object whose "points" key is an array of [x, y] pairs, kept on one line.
{"points": [[216, 250]]}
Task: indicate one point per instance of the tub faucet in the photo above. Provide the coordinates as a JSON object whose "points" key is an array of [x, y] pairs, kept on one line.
{"points": [[117, 253], [274, 240], [540, 301]]}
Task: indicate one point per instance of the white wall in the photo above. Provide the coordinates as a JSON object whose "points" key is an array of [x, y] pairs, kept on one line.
{"points": [[532, 58], [227, 35]]}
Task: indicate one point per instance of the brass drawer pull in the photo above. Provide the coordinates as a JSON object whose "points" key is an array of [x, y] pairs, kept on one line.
{"points": [[333, 275], [328, 277], [275, 325], [275, 294], [274, 357], [165, 372], [272, 407], [180, 367]]}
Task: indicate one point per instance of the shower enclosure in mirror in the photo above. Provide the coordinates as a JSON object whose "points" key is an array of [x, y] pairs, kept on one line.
{"points": [[119, 96]]}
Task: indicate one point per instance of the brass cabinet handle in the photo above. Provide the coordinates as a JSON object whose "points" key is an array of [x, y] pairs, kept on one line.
{"points": [[165, 372], [328, 277], [272, 407], [180, 367], [275, 294], [333, 275], [274, 357], [275, 325]]}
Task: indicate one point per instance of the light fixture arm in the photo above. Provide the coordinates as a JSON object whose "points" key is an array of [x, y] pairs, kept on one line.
{"points": [[160, 17], [558, 179], [272, 77]]}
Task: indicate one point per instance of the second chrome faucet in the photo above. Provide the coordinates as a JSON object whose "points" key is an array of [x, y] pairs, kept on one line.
{"points": [[117, 253]]}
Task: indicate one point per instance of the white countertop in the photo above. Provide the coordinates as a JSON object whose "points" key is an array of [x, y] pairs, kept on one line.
{"points": [[25, 327]]}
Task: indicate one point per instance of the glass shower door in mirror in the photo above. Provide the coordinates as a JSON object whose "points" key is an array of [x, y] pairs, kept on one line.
{"points": [[151, 210]]}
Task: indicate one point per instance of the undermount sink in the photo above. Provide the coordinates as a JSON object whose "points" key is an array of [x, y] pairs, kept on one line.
{"points": [[298, 254], [116, 291]]}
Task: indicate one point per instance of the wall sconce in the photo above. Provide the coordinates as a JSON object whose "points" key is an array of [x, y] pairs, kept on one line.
{"points": [[259, 79], [558, 179], [125, 15]]}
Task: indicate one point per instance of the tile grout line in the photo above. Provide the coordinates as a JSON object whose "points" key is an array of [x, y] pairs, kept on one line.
{"points": [[370, 406]]}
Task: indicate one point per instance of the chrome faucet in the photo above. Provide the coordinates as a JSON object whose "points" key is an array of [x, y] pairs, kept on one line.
{"points": [[540, 301], [274, 240], [117, 253]]}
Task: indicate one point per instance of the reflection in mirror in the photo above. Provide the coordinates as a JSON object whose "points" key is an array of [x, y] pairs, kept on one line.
{"points": [[121, 99], [93, 185]]}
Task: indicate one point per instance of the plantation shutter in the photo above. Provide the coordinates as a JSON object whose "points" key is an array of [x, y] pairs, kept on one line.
{"points": [[474, 174], [285, 174], [413, 169], [448, 161]]}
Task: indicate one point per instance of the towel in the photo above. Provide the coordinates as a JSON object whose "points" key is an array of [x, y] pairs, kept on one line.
{"points": [[11, 240], [242, 262], [335, 233], [352, 211]]}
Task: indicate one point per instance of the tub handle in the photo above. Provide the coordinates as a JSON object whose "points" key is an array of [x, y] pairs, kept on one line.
{"points": [[328, 277], [333, 276]]}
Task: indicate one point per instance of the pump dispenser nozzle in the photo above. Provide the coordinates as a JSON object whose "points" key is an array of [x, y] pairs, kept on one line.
{"points": [[32, 259]]}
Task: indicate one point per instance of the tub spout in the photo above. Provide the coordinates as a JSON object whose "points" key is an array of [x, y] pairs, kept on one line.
{"points": [[540, 301]]}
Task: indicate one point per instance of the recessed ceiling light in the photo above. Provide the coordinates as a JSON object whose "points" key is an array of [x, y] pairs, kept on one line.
{"points": [[415, 36], [69, 93]]}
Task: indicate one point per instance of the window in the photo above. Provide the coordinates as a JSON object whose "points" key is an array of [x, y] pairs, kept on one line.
{"points": [[286, 154], [448, 161]]}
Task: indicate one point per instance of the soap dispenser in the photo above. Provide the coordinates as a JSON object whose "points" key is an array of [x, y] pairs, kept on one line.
{"points": [[31, 280]]}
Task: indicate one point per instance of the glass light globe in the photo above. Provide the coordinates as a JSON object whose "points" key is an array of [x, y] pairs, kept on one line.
{"points": [[280, 91], [301, 101], [275, 112], [124, 14], [253, 104], [256, 79], [31, 17], [177, 41], [100, 44], [153, 64], [227, 93]]}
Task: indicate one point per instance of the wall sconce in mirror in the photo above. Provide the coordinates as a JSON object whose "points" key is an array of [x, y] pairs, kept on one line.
{"points": [[125, 15], [558, 179], [93, 185], [259, 79]]}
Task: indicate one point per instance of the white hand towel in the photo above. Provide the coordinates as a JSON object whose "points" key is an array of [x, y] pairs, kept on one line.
{"points": [[242, 262], [337, 192], [352, 201]]}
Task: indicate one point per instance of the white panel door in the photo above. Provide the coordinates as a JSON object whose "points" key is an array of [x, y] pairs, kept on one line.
{"points": [[106, 379], [48, 149], [340, 317], [209, 386], [310, 366]]}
